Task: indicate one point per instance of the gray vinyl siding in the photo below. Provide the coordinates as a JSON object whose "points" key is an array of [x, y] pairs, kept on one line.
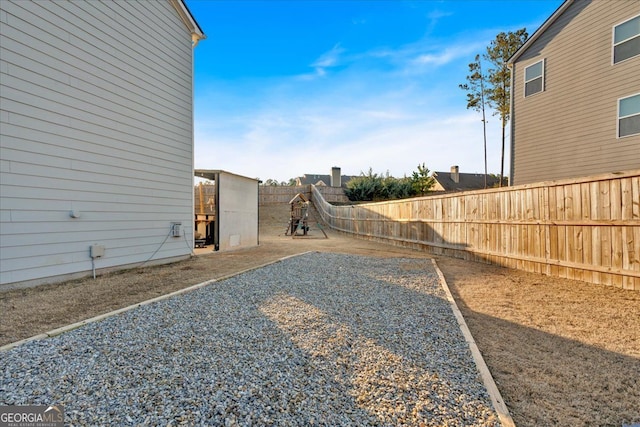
{"points": [[96, 116], [570, 129]]}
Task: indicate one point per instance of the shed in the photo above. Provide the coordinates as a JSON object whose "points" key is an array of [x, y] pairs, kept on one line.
{"points": [[235, 221]]}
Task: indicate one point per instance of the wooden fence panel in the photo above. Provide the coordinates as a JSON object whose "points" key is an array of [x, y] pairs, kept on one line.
{"points": [[585, 229]]}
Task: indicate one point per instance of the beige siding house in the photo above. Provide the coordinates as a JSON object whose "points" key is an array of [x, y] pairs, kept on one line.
{"points": [[576, 93], [96, 138]]}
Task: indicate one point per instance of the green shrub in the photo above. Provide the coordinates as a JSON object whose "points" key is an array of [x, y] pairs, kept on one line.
{"points": [[376, 187]]}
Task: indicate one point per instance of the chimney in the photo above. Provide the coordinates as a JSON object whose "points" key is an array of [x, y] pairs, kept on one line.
{"points": [[336, 180], [455, 174]]}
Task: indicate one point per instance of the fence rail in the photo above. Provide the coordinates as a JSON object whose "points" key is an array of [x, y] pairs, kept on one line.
{"points": [[585, 229]]}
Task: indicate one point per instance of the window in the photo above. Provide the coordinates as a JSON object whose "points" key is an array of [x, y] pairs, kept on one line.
{"points": [[626, 40], [629, 116], [534, 78]]}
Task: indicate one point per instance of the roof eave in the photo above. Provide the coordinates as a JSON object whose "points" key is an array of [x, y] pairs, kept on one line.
{"points": [[189, 21], [550, 20]]}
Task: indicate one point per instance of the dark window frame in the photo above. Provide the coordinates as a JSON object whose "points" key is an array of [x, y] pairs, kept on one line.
{"points": [[633, 41], [634, 117], [533, 82]]}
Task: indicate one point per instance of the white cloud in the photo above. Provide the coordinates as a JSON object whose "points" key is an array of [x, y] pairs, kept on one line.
{"points": [[330, 58], [381, 109], [436, 15], [425, 55], [288, 143], [439, 58]]}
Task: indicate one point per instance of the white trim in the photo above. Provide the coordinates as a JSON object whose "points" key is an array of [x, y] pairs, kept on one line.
{"points": [[618, 118], [189, 21], [613, 40], [542, 75]]}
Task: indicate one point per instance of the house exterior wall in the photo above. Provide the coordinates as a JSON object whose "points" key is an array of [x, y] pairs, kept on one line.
{"points": [[237, 212], [96, 118], [437, 187], [570, 128]]}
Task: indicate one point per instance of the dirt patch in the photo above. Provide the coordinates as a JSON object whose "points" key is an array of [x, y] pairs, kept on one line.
{"points": [[562, 352]]}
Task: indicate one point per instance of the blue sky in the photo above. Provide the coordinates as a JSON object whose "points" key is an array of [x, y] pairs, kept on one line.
{"points": [[284, 88]]}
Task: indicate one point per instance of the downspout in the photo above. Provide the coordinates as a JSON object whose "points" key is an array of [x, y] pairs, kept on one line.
{"points": [[258, 237], [216, 228], [193, 141]]}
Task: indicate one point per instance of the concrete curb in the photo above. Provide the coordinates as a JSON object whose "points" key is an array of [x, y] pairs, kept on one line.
{"points": [[67, 328], [487, 378]]}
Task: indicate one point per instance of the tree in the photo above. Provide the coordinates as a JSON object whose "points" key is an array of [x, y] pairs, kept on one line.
{"points": [[373, 187], [364, 187], [476, 92], [421, 181], [499, 94], [271, 183], [396, 188], [494, 87]]}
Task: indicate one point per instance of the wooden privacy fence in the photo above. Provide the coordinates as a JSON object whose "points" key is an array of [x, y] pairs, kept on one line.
{"points": [[585, 229], [283, 193], [278, 194]]}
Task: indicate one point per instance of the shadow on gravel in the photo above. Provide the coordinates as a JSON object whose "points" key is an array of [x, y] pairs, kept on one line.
{"points": [[391, 339], [320, 339]]}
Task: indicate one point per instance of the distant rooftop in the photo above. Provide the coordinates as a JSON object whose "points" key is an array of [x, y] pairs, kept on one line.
{"points": [[465, 181], [316, 179]]}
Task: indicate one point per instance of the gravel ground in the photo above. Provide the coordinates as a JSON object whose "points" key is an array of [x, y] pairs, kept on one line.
{"points": [[319, 339]]}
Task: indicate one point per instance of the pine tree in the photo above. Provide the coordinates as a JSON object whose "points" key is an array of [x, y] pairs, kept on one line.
{"points": [[421, 180], [476, 92], [493, 89], [499, 77]]}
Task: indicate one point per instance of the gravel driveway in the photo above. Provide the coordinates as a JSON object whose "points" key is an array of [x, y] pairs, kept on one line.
{"points": [[319, 339]]}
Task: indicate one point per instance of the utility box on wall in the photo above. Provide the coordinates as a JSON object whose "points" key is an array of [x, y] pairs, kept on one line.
{"points": [[236, 204], [96, 251], [176, 229]]}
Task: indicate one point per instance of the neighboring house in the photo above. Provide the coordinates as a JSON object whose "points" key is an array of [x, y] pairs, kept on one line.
{"points": [[96, 136], [576, 93], [456, 181], [335, 179]]}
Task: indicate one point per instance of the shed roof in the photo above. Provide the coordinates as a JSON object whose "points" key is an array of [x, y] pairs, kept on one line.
{"points": [[213, 173]]}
